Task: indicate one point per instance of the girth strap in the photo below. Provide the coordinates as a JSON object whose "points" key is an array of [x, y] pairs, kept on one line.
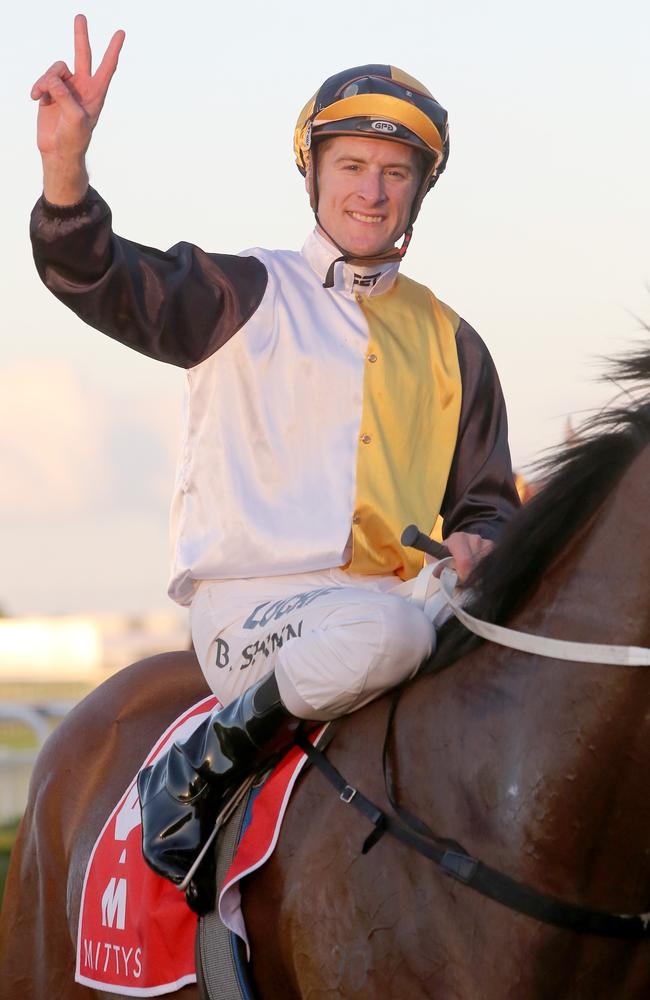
{"points": [[457, 863]]}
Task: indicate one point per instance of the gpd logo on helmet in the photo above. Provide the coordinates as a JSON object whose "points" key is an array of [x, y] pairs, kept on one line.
{"points": [[382, 126]]}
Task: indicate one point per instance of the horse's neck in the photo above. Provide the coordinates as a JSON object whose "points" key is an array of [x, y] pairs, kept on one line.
{"points": [[599, 590], [545, 762]]}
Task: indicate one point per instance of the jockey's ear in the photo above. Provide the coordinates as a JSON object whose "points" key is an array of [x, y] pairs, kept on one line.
{"points": [[311, 183]]}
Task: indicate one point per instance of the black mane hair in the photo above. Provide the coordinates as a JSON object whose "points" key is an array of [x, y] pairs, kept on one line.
{"points": [[578, 479]]}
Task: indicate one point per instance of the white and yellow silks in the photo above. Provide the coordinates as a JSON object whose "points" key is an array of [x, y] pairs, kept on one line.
{"points": [[322, 428]]}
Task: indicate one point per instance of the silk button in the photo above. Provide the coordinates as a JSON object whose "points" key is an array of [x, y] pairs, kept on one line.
{"points": [[372, 358], [366, 438]]}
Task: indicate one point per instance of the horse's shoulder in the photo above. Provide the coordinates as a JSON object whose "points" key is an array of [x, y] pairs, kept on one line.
{"points": [[166, 683]]}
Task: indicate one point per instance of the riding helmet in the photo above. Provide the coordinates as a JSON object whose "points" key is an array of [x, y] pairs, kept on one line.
{"points": [[374, 101]]}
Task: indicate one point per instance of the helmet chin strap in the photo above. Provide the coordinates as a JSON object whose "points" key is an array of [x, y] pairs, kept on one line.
{"points": [[389, 255]]}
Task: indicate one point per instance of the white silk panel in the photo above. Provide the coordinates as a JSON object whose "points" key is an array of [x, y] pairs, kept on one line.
{"points": [[266, 477]]}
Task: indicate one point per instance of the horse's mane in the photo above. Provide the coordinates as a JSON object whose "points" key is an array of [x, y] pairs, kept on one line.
{"points": [[578, 478]]}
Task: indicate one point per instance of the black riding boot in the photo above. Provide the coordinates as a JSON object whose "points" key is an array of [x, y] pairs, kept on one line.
{"points": [[182, 793]]}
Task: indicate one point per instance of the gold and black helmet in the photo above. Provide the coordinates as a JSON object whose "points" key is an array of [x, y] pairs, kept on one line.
{"points": [[375, 101]]}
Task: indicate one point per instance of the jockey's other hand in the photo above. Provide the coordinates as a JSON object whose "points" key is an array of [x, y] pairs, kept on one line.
{"points": [[467, 550]]}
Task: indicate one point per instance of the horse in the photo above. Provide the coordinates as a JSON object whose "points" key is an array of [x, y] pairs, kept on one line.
{"points": [[537, 766]]}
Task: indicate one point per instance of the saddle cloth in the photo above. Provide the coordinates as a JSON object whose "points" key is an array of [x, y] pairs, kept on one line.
{"points": [[136, 933]]}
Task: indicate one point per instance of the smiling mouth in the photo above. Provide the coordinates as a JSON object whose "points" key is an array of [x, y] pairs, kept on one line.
{"points": [[366, 218]]}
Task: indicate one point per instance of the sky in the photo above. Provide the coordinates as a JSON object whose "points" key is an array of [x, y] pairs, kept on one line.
{"points": [[537, 234]]}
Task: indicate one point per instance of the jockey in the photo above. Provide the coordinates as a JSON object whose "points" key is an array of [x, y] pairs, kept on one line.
{"points": [[331, 401]]}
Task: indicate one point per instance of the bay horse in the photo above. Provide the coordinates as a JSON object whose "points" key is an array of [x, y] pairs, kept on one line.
{"points": [[537, 766]]}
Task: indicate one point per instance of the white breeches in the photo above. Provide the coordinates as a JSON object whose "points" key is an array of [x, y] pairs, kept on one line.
{"points": [[335, 641]]}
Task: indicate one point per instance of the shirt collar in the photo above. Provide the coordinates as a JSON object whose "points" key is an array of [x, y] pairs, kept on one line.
{"points": [[352, 279]]}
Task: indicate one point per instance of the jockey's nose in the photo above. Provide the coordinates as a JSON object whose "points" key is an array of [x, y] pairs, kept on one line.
{"points": [[372, 187]]}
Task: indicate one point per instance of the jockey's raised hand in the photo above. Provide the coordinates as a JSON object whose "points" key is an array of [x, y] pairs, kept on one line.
{"points": [[70, 104]]}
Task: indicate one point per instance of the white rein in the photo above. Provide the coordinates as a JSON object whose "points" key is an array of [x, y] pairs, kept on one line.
{"points": [[557, 649]]}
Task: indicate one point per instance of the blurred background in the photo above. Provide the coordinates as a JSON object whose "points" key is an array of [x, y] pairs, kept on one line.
{"points": [[537, 234]]}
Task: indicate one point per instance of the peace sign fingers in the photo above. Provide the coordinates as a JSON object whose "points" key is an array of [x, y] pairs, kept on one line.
{"points": [[94, 86]]}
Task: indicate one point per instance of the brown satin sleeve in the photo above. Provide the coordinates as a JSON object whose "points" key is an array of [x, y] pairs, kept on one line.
{"points": [[481, 494], [177, 306]]}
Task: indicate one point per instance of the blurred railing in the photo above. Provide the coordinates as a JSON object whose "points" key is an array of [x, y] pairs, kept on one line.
{"points": [[24, 727]]}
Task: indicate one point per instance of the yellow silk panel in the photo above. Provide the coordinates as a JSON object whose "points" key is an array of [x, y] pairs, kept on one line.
{"points": [[409, 424]]}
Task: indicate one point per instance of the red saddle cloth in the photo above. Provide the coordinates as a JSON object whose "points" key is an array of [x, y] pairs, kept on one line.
{"points": [[136, 932]]}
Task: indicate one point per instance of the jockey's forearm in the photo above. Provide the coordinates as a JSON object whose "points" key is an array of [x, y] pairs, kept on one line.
{"points": [[65, 179]]}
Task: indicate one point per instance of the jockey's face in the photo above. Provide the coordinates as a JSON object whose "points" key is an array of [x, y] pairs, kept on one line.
{"points": [[365, 191]]}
